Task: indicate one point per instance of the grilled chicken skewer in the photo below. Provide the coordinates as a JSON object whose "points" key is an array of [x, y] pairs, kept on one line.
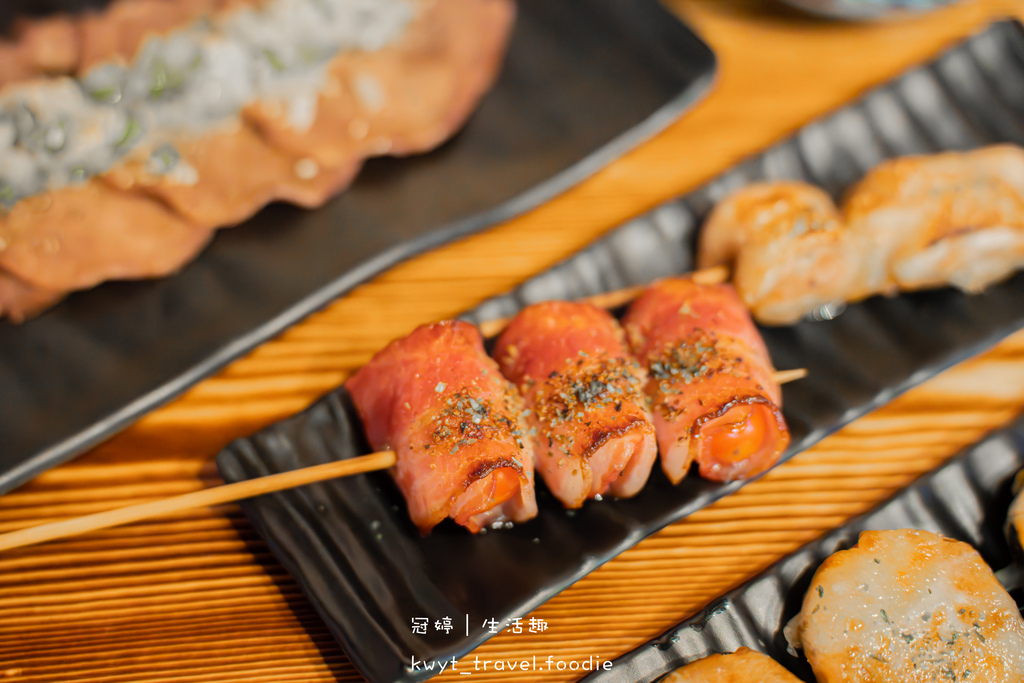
{"points": [[912, 223], [947, 219]]}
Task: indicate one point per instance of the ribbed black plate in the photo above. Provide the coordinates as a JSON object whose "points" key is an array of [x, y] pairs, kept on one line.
{"points": [[583, 82], [865, 9], [367, 571], [967, 499]]}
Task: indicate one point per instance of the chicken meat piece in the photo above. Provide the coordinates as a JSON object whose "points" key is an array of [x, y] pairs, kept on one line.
{"points": [[948, 219], [204, 186], [787, 248]]}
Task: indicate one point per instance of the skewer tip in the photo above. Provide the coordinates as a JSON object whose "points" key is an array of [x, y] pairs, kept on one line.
{"points": [[786, 376]]}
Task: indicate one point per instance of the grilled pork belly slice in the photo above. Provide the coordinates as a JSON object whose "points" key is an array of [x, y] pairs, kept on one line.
{"points": [[194, 123], [206, 187], [455, 424], [71, 44], [402, 98], [742, 666], [48, 45], [591, 429], [909, 606], [710, 380], [79, 236], [20, 300]]}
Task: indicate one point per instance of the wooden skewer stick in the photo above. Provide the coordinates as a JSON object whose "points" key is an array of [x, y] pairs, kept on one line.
{"points": [[217, 495], [708, 276], [787, 376], [229, 493]]}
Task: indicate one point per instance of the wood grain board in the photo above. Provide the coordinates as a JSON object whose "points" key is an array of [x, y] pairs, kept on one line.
{"points": [[199, 597]]}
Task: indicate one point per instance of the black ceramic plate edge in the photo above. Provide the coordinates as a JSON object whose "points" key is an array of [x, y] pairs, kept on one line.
{"points": [[102, 429], [848, 10], [966, 498], [930, 331]]}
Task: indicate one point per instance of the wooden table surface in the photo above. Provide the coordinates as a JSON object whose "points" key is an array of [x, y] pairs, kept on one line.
{"points": [[199, 597]]}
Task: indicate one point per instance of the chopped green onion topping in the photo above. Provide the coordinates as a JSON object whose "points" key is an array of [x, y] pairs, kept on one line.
{"points": [[109, 95], [274, 60], [164, 79], [131, 130]]}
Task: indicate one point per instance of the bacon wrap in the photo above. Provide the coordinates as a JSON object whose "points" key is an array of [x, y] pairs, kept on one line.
{"points": [[439, 402], [591, 429], [710, 380]]}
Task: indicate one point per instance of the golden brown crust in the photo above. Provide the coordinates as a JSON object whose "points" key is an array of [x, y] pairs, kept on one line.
{"points": [[787, 245], [421, 112], [236, 174], [66, 44], [913, 606], [39, 47], [78, 236], [404, 98], [742, 666], [19, 300]]}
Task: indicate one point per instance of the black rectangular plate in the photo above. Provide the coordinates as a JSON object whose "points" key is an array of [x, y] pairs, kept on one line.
{"points": [[966, 499], [367, 571], [583, 82]]}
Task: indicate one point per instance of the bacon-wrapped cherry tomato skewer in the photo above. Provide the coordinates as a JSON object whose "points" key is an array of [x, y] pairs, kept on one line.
{"points": [[590, 426], [711, 383], [455, 424]]}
